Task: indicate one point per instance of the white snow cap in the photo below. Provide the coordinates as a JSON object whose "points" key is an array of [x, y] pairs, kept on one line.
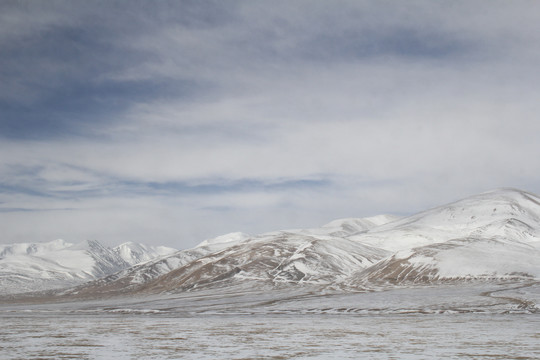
{"points": [[230, 238]]}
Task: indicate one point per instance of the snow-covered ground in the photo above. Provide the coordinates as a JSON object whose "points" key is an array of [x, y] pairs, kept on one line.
{"points": [[467, 336], [466, 321]]}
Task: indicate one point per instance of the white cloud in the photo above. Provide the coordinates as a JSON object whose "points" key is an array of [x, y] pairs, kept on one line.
{"points": [[392, 107]]}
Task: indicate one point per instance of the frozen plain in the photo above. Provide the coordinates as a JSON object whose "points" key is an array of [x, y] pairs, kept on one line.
{"points": [[494, 321]]}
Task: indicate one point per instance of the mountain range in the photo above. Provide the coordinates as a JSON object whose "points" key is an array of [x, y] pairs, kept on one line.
{"points": [[490, 237], [29, 267]]}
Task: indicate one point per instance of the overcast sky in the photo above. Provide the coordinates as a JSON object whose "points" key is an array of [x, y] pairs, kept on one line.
{"points": [[173, 122]]}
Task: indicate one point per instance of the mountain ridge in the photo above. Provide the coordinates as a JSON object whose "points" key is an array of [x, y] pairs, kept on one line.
{"points": [[493, 236], [29, 267]]}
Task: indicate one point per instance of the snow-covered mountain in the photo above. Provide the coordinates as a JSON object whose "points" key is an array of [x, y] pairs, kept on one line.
{"points": [[482, 215], [26, 267], [494, 236], [304, 256], [135, 253]]}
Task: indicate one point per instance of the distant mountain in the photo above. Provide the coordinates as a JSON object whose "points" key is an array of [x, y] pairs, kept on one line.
{"points": [[494, 236], [491, 236], [29, 267], [354, 226], [266, 260], [305, 256], [134, 253]]}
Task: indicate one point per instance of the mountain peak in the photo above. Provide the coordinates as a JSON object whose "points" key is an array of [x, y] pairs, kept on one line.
{"points": [[352, 225], [40, 266], [134, 253], [225, 240]]}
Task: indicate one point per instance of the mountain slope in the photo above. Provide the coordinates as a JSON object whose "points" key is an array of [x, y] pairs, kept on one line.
{"points": [[455, 260], [495, 235], [272, 259], [276, 259]]}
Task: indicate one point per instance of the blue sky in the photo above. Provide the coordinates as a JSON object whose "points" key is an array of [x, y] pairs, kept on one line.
{"points": [[173, 122]]}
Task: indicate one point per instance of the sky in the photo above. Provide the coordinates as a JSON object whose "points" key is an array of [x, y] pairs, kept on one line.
{"points": [[172, 122]]}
